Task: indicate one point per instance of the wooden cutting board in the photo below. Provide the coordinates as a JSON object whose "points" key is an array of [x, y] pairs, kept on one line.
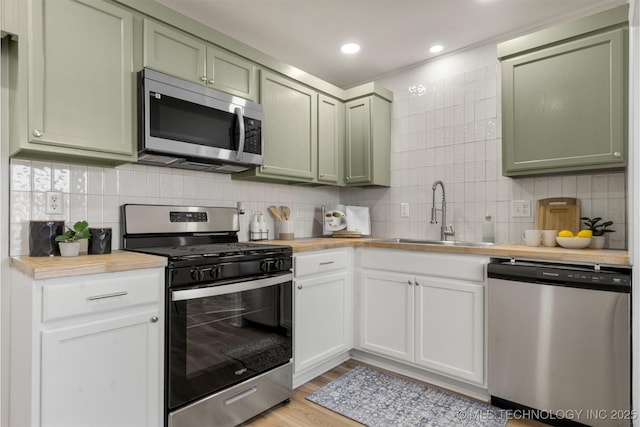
{"points": [[558, 213]]}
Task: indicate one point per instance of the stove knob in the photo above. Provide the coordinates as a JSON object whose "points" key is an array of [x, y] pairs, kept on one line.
{"points": [[213, 273], [197, 274]]}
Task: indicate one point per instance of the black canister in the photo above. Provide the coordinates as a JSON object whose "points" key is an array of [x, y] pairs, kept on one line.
{"points": [[42, 237], [100, 241]]}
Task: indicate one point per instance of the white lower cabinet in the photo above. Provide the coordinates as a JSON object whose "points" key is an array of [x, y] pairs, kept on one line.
{"points": [[90, 349], [434, 321], [323, 311]]}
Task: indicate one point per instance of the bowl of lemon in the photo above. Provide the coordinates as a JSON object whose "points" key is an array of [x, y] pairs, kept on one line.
{"points": [[568, 240]]}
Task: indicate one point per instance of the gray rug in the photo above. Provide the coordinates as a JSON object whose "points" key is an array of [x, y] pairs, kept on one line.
{"points": [[377, 399]]}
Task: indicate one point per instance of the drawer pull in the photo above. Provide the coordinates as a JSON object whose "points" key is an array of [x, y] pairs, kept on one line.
{"points": [[112, 295], [327, 262], [154, 319]]}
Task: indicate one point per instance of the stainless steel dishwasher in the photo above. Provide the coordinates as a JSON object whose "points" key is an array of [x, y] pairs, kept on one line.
{"points": [[559, 342]]}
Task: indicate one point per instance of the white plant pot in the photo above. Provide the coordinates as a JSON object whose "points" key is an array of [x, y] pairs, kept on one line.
{"points": [[69, 248], [598, 242]]}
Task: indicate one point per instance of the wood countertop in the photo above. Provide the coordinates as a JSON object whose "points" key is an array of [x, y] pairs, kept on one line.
{"points": [[53, 267], [595, 256]]}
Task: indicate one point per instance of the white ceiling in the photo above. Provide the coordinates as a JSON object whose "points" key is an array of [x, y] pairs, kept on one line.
{"points": [[394, 34]]}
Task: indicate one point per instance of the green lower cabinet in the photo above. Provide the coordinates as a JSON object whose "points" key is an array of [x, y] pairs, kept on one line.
{"points": [[290, 132], [368, 142], [73, 92], [564, 105]]}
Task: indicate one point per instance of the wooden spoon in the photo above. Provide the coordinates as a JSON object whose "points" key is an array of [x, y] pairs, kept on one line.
{"points": [[274, 211]]}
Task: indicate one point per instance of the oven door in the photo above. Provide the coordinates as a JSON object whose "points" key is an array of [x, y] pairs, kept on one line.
{"points": [[224, 334]]}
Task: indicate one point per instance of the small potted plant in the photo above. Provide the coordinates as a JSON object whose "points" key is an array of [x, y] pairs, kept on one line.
{"points": [[599, 230], [69, 242]]}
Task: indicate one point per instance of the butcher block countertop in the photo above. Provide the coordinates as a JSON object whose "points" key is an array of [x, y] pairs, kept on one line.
{"points": [[53, 267], [595, 256]]}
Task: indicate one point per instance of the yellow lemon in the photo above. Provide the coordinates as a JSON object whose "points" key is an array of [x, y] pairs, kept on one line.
{"points": [[585, 233], [565, 233]]}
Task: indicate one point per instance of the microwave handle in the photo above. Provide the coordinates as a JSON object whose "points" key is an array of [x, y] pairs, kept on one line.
{"points": [[238, 112]]}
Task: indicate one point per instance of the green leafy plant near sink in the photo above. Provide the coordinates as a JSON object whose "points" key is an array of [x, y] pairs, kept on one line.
{"points": [[597, 226]]}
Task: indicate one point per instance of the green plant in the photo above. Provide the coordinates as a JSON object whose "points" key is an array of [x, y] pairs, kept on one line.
{"points": [[79, 231], [597, 226]]}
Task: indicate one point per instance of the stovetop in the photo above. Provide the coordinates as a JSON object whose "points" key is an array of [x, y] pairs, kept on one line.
{"points": [[212, 250]]}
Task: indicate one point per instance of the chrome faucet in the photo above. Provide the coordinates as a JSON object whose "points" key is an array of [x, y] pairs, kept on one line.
{"points": [[445, 230]]}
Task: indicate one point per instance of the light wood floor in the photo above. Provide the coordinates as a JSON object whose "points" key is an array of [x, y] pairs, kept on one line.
{"points": [[303, 413]]}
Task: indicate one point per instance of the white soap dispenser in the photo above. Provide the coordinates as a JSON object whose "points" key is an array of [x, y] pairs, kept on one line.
{"points": [[254, 227], [488, 229], [264, 230]]}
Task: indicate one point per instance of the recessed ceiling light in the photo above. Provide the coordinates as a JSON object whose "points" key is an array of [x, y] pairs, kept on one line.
{"points": [[350, 48], [436, 48]]}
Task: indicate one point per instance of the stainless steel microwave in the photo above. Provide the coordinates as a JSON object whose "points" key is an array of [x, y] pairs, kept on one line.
{"points": [[187, 125]]}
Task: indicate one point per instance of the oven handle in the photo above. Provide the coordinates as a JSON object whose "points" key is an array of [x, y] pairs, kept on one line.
{"points": [[212, 291]]}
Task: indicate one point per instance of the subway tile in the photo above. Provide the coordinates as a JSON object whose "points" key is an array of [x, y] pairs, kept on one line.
{"points": [[95, 181], [41, 176], [20, 175], [78, 181]]}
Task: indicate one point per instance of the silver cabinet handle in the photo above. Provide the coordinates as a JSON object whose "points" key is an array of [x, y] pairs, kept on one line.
{"points": [[409, 282], [326, 263], [211, 81], [154, 319], [415, 282], [37, 133], [203, 78], [321, 175], [617, 154], [299, 286], [112, 295]]}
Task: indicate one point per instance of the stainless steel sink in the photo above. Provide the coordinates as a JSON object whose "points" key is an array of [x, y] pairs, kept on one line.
{"points": [[438, 242]]}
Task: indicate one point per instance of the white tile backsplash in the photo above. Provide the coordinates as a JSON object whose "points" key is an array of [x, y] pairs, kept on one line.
{"points": [[97, 194]]}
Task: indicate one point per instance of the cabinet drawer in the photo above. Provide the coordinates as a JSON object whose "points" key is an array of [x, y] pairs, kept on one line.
{"points": [[92, 294], [321, 262]]}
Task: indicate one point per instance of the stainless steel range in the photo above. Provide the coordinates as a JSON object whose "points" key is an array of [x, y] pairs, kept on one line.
{"points": [[229, 313]]}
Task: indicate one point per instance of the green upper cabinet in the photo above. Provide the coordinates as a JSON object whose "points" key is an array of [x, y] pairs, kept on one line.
{"points": [[289, 130], [177, 53], [79, 81], [174, 52], [564, 102], [368, 141], [330, 140]]}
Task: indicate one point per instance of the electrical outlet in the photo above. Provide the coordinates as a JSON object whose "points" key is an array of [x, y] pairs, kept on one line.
{"points": [[404, 210], [54, 203], [520, 208]]}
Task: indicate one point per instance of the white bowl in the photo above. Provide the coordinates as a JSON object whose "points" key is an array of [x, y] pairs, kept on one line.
{"points": [[573, 242]]}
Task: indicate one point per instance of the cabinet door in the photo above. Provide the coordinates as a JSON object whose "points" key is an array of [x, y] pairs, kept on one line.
{"points": [[330, 139], [564, 107], [449, 327], [103, 373], [174, 52], [387, 314], [358, 142], [290, 128], [230, 73], [323, 319], [80, 75]]}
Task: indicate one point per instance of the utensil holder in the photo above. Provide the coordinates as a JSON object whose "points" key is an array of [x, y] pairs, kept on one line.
{"points": [[285, 228]]}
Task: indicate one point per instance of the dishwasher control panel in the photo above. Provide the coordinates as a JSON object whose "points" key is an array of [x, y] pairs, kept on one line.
{"points": [[616, 279]]}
